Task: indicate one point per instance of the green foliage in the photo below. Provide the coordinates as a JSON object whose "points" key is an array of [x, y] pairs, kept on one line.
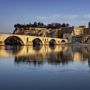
{"points": [[42, 25]]}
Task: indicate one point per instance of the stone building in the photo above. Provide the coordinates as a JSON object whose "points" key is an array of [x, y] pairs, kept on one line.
{"points": [[78, 31], [64, 31], [73, 34], [30, 31], [87, 31]]}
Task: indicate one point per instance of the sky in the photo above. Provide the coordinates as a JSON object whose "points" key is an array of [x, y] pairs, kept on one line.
{"points": [[74, 12]]}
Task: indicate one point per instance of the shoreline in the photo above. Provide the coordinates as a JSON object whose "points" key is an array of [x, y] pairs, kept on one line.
{"points": [[79, 44]]}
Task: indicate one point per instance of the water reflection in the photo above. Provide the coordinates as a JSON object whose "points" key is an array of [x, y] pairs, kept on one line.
{"points": [[44, 67], [52, 55]]}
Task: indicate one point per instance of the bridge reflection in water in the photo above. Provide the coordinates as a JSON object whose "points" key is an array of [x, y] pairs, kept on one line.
{"points": [[53, 55]]}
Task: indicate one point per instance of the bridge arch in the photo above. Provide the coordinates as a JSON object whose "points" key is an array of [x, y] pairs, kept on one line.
{"points": [[63, 41], [52, 42], [13, 40], [37, 41]]}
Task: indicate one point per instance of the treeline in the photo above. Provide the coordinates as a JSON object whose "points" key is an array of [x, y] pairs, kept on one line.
{"points": [[41, 25]]}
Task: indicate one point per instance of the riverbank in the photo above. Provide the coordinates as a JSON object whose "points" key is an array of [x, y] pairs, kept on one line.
{"points": [[78, 44]]}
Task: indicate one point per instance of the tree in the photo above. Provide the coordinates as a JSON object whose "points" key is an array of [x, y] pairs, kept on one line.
{"points": [[35, 24], [63, 25], [17, 25], [49, 26], [40, 24], [67, 25]]}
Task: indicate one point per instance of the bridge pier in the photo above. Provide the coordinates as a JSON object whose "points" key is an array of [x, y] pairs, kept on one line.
{"points": [[2, 43], [46, 43], [30, 43]]}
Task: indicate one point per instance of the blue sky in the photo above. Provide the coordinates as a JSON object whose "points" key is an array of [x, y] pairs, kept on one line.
{"points": [[74, 12]]}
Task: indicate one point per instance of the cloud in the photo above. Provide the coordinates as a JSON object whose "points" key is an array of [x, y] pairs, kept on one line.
{"points": [[65, 16], [71, 16], [87, 16], [41, 18], [72, 19], [57, 17]]}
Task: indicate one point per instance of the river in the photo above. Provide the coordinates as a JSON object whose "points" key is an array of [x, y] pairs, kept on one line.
{"points": [[45, 68]]}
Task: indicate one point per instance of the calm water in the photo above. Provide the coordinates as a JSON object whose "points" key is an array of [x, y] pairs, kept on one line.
{"points": [[45, 68]]}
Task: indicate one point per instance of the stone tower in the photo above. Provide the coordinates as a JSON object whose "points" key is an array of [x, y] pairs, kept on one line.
{"points": [[89, 25]]}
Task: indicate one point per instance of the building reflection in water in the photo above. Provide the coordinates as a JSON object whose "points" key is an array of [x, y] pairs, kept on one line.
{"points": [[53, 55]]}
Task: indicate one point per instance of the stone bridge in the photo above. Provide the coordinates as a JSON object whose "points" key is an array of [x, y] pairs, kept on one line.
{"points": [[29, 40]]}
